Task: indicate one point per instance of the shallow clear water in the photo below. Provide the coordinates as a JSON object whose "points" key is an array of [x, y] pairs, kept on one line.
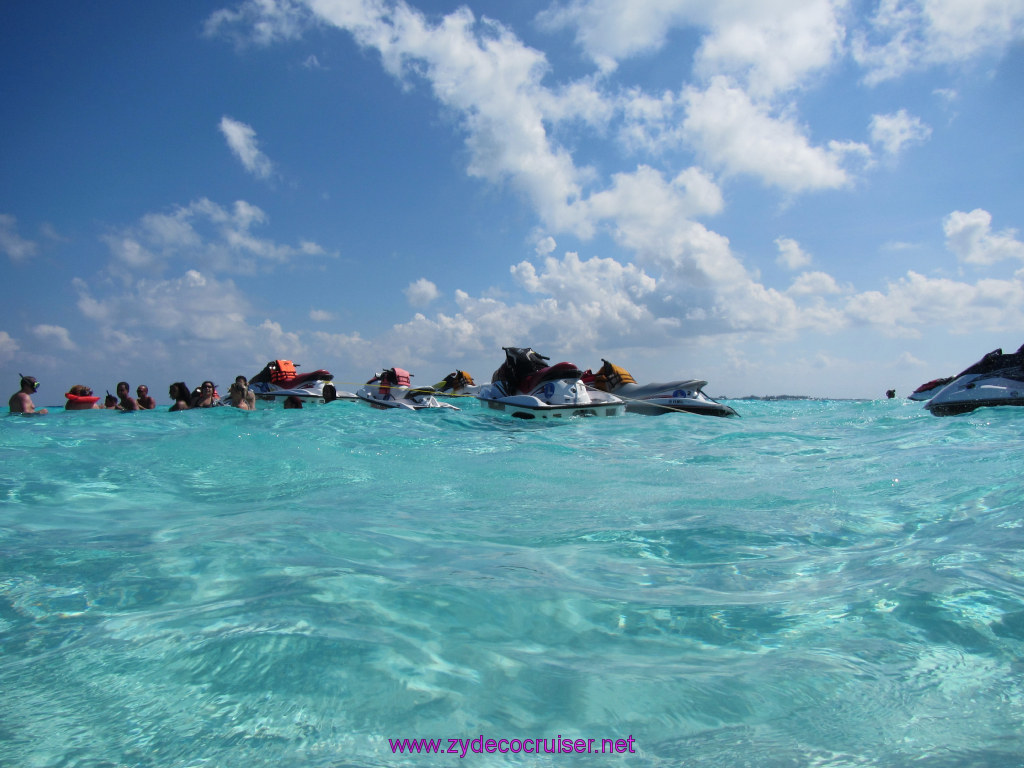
{"points": [[813, 584]]}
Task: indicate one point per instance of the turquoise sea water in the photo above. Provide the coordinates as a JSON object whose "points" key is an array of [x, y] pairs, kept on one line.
{"points": [[813, 584]]}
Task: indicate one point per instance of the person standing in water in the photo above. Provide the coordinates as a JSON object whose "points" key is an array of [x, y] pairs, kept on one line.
{"points": [[144, 399], [128, 403], [81, 398], [21, 401], [241, 396], [206, 396], [180, 395]]}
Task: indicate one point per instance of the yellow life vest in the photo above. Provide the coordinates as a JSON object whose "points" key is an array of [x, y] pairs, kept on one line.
{"points": [[610, 377]]}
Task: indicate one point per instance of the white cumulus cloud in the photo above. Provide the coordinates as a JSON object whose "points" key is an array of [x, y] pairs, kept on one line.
{"points": [[908, 35], [743, 137], [545, 245], [791, 255], [421, 293], [970, 237]]}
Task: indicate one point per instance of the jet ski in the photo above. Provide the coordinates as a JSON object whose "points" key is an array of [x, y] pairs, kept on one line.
{"points": [[996, 379], [280, 380], [391, 388], [686, 395], [456, 384], [929, 389], [526, 387]]}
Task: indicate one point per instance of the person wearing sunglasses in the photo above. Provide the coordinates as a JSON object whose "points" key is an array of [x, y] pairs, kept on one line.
{"points": [[206, 396], [144, 399], [21, 401]]}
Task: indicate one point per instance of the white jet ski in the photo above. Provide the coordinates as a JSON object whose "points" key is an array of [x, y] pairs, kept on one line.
{"points": [[996, 379], [929, 389], [526, 387], [686, 395], [279, 380], [456, 384], [391, 389]]}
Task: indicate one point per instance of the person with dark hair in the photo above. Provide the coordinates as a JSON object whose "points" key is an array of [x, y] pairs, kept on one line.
{"points": [[293, 401], [144, 399], [110, 402], [127, 402], [21, 401], [180, 395], [205, 396]]}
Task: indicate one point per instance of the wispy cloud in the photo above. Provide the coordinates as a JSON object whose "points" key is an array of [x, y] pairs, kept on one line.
{"points": [[895, 131], [241, 140], [8, 346], [205, 236], [11, 243], [56, 335], [259, 22]]}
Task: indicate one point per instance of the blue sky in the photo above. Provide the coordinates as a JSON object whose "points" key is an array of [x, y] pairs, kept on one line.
{"points": [[799, 196]]}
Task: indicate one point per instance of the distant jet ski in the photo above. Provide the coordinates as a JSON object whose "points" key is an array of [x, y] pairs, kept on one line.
{"points": [[456, 384], [996, 379], [685, 395], [526, 387], [391, 388], [280, 380]]}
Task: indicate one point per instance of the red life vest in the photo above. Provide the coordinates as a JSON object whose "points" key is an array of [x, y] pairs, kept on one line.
{"points": [[391, 378]]}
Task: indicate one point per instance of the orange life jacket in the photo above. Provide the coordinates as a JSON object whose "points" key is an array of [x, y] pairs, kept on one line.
{"points": [[81, 398], [282, 371]]}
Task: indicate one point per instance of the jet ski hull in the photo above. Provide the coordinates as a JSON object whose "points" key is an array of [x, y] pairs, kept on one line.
{"points": [[676, 397], [280, 380], [400, 398], [973, 391], [560, 399], [525, 407], [656, 406], [314, 391]]}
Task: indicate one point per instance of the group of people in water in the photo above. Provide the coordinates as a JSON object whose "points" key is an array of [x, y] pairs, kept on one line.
{"points": [[81, 398]]}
